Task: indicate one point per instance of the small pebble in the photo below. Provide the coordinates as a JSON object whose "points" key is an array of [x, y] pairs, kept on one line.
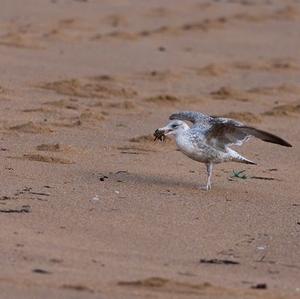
{"points": [[95, 198]]}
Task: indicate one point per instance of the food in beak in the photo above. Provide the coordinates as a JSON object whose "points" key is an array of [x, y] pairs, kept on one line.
{"points": [[160, 135]]}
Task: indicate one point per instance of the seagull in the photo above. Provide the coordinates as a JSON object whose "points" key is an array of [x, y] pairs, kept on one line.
{"points": [[208, 139]]}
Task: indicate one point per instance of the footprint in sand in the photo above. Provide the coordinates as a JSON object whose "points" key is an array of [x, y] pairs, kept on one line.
{"points": [[212, 69], [216, 70], [115, 20], [203, 25], [159, 75], [2, 90], [53, 147], [31, 127], [179, 288], [62, 104], [70, 29], [67, 122], [284, 110], [124, 105], [159, 12], [86, 117], [38, 109], [166, 99], [44, 158], [90, 116], [286, 13], [20, 40], [274, 90], [164, 285], [77, 287], [229, 93], [89, 88], [278, 64]]}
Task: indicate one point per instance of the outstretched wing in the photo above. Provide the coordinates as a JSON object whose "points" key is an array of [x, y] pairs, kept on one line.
{"points": [[194, 117], [224, 131], [221, 132]]}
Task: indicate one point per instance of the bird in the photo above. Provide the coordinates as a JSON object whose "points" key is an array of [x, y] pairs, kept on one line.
{"points": [[209, 138]]}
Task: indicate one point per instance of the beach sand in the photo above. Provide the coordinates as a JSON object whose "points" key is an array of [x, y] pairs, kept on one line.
{"points": [[90, 206]]}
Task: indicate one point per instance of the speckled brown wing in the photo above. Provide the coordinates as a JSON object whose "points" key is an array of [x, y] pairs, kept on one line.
{"points": [[223, 133]]}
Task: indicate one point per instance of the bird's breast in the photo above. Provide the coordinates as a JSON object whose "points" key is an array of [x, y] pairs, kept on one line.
{"points": [[190, 148], [185, 144], [197, 149]]}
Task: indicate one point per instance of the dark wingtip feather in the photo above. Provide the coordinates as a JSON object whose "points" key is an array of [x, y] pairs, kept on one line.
{"points": [[288, 144], [265, 136], [279, 141]]}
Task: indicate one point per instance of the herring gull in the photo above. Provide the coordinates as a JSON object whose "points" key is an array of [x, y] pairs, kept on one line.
{"points": [[208, 139]]}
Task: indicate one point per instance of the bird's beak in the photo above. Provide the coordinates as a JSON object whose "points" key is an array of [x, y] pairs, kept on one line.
{"points": [[161, 133], [164, 130]]}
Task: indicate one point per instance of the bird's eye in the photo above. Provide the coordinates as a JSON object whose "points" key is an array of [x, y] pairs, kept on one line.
{"points": [[174, 126]]}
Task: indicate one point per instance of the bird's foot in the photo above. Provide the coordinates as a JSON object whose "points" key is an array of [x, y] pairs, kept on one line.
{"points": [[205, 187]]}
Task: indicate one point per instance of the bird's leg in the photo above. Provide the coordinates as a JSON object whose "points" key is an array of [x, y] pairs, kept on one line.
{"points": [[209, 167]]}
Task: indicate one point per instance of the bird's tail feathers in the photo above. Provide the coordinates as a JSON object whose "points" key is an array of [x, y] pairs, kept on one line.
{"points": [[238, 158], [246, 161]]}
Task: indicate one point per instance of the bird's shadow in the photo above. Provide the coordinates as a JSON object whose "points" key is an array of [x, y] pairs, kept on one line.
{"points": [[157, 180]]}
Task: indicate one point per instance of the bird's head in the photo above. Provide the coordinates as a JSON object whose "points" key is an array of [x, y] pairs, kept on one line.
{"points": [[172, 128]]}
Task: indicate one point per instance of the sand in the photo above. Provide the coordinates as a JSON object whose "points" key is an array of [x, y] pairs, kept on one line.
{"points": [[90, 206]]}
